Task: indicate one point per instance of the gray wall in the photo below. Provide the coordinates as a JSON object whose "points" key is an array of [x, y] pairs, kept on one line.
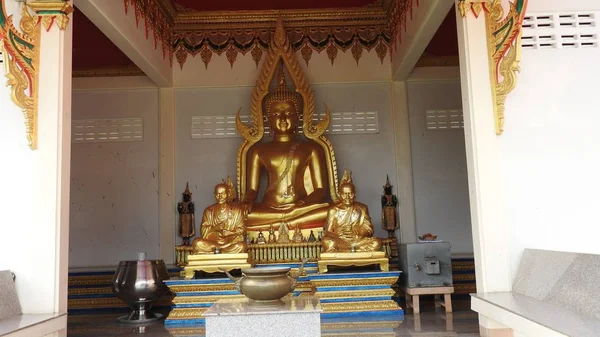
{"points": [[439, 167], [203, 162], [114, 186]]}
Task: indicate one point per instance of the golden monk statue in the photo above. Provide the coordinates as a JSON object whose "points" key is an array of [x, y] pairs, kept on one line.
{"points": [[348, 227], [287, 161], [222, 225]]}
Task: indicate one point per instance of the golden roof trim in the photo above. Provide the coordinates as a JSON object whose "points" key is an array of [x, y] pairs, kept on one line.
{"points": [[291, 18]]}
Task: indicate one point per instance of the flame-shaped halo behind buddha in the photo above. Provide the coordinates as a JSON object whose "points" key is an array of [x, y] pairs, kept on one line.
{"points": [[281, 49]]}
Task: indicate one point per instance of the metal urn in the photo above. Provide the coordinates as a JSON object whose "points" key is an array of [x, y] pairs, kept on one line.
{"points": [[140, 283], [268, 284]]}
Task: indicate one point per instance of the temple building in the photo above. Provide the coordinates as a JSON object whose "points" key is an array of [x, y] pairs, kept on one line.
{"points": [[375, 153]]}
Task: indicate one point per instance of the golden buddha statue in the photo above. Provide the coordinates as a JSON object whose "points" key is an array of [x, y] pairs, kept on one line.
{"points": [[222, 226], [287, 161], [348, 227], [301, 173]]}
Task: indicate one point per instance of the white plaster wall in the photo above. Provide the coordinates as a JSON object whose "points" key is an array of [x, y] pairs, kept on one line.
{"points": [[204, 162], [439, 167], [550, 155], [18, 227], [114, 185]]}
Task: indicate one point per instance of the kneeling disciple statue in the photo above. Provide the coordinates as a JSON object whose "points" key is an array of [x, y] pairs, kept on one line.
{"points": [[348, 227], [222, 226]]}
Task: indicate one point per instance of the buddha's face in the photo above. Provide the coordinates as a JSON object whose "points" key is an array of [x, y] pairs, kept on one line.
{"points": [[221, 194], [347, 194], [283, 117]]}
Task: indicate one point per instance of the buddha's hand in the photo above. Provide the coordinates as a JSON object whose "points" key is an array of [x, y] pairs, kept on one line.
{"points": [[287, 207], [284, 207]]}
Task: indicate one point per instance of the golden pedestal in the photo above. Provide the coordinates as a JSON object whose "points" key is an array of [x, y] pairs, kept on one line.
{"points": [[347, 259], [211, 263]]}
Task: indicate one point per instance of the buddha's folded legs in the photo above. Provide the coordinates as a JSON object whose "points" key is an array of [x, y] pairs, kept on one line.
{"points": [[332, 243], [368, 245], [202, 246], [262, 216], [234, 248]]}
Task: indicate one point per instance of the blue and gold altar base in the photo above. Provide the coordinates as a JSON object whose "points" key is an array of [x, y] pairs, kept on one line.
{"points": [[357, 294], [193, 297], [380, 326], [90, 292]]}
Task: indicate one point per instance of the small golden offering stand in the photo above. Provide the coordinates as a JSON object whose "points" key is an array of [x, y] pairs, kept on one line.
{"points": [[347, 259], [211, 263]]}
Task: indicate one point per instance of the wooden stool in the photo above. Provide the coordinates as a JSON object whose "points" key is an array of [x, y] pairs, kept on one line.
{"points": [[412, 297]]}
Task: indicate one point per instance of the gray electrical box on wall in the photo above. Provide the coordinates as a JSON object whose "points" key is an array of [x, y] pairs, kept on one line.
{"points": [[426, 264]]}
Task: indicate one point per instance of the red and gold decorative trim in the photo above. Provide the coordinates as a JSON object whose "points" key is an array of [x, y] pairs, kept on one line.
{"points": [[504, 47], [400, 12], [306, 40], [21, 59], [21, 54], [185, 32], [155, 19], [49, 12]]}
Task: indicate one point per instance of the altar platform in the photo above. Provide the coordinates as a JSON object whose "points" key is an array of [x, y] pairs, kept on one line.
{"points": [[292, 317], [193, 297], [340, 294]]}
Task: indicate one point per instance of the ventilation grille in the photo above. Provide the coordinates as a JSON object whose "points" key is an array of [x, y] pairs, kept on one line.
{"points": [[341, 123], [448, 119], [107, 130], [560, 30]]}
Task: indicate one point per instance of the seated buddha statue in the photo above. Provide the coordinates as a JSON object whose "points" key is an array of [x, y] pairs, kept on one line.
{"points": [[288, 162], [222, 228], [348, 227]]}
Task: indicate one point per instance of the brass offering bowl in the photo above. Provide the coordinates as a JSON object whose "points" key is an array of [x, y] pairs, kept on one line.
{"points": [[140, 283], [266, 285]]}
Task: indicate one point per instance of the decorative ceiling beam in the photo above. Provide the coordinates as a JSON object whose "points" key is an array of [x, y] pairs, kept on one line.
{"points": [[427, 19], [122, 29]]}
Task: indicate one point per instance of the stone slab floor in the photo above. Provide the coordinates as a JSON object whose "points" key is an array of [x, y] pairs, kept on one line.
{"points": [[429, 323]]}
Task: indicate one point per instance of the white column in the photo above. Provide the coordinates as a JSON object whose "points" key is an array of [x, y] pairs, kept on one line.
{"points": [[490, 231], [166, 168], [35, 183], [404, 189]]}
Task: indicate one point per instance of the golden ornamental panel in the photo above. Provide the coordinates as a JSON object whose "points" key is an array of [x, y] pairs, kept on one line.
{"points": [[360, 306], [20, 48], [503, 32], [355, 293], [201, 288], [389, 281]]}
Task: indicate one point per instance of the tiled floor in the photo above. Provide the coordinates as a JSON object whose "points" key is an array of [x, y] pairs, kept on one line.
{"points": [[461, 323]]}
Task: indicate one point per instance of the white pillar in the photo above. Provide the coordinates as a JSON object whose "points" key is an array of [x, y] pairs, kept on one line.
{"points": [[490, 231], [166, 169], [404, 189], [35, 183]]}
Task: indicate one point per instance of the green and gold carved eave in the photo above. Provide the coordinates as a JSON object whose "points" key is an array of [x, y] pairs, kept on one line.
{"points": [[503, 33], [21, 53]]}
